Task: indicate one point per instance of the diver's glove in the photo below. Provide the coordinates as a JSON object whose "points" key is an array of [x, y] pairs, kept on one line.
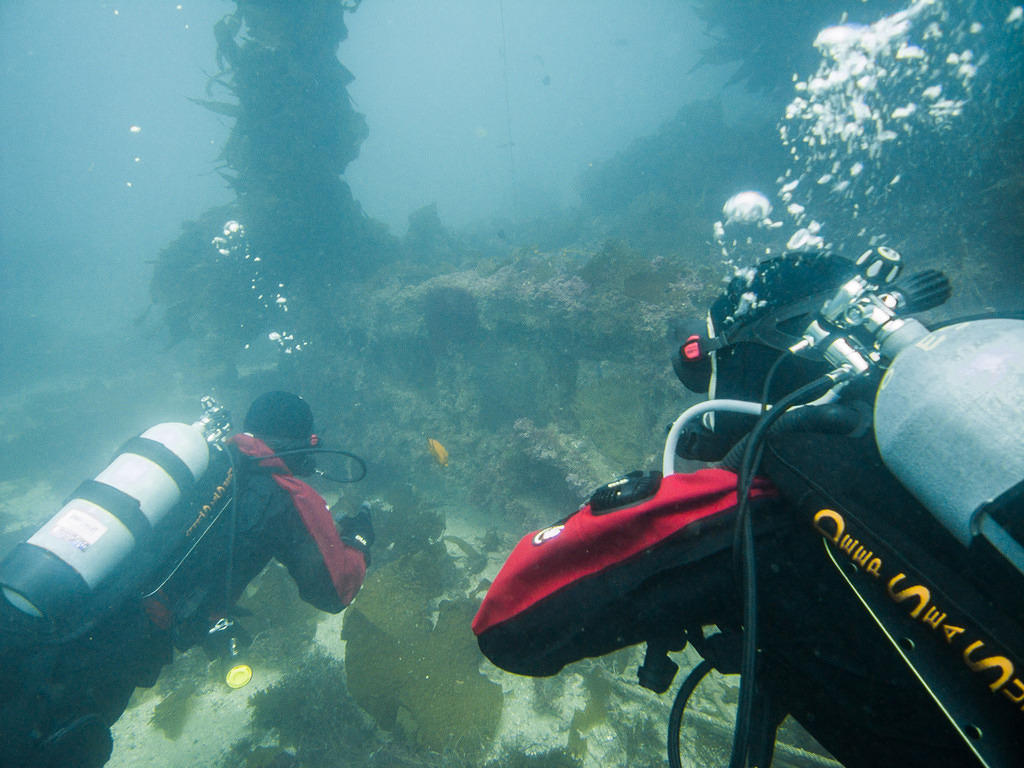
{"points": [[357, 531]]}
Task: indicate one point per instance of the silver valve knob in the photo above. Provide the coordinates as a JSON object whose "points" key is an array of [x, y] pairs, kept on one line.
{"points": [[881, 265], [215, 423]]}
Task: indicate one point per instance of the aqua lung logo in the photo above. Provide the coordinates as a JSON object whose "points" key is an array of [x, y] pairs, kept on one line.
{"points": [[959, 634], [547, 534]]}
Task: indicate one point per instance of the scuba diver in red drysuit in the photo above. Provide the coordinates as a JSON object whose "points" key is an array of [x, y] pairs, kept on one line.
{"points": [[831, 584], [64, 681]]}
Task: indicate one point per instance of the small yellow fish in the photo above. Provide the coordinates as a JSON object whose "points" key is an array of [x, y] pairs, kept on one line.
{"points": [[438, 451]]}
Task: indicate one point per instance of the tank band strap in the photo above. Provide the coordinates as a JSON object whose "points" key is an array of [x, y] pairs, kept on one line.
{"points": [[118, 503], [164, 458]]}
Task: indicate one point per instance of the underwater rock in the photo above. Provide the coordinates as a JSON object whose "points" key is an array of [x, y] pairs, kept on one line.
{"points": [[561, 386], [662, 192], [612, 416], [581, 467], [426, 239], [451, 318], [771, 39], [415, 675]]}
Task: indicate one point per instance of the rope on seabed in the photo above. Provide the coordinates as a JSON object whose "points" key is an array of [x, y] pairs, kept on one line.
{"points": [[797, 755]]}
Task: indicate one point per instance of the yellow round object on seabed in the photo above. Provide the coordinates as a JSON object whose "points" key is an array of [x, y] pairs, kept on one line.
{"points": [[239, 676]]}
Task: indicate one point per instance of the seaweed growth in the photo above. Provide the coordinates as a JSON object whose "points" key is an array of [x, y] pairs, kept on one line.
{"points": [[311, 712], [172, 712], [413, 674], [181, 687], [295, 131]]}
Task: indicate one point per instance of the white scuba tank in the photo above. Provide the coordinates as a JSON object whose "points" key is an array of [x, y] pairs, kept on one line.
{"points": [[98, 532], [949, 423]]}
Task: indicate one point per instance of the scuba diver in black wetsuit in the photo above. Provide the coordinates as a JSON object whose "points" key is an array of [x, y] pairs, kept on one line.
{"points": [[857, 560], [151, 556]]}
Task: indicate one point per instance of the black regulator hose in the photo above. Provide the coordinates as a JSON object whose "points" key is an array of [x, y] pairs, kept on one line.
{"points": [[675, 718], [295, 451], [851, 419], [743, 552]]}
